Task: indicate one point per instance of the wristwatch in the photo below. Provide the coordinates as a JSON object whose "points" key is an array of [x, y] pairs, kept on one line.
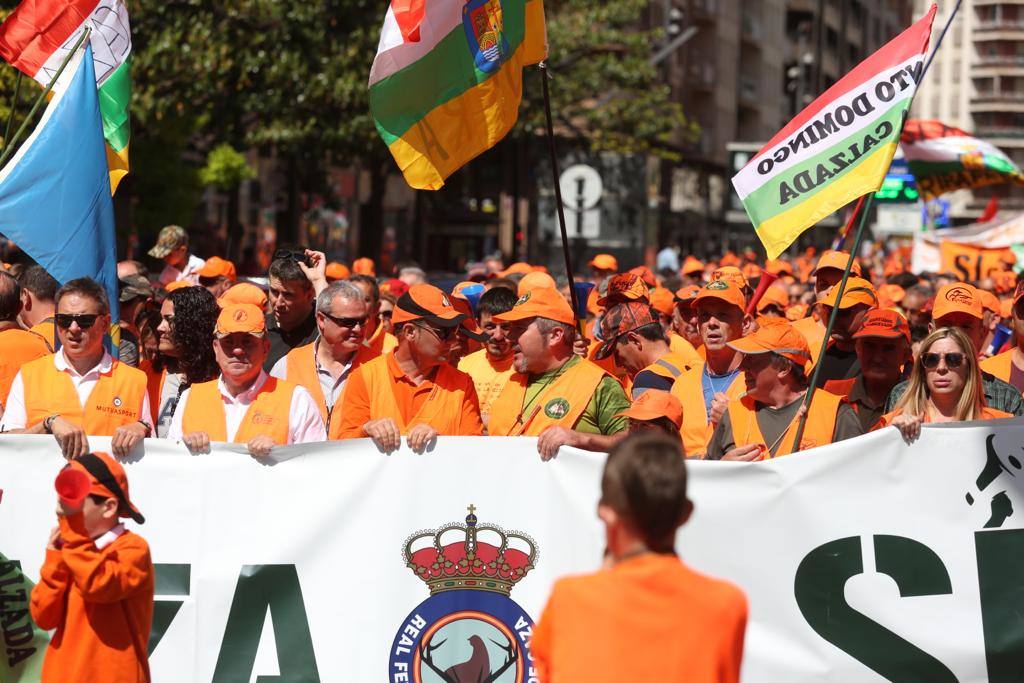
{"points": [[48, 423], [149, 429]]}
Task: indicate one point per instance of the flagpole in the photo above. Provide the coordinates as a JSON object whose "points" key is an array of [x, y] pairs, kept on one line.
{"points": [[11, 146], [856, 248], [558, 195], [14, 104]]}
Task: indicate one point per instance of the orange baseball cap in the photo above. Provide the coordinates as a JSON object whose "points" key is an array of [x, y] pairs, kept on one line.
{"points": [[337, 271], [518, 268], [604, 262], [364, 266], [958, 297], [108, 479], [858, 291], [532, 281], [426, 302], [691, 265], [685, 295], [244, 293], [662, 300], [654, 404], [989, 301], [796, 312], [725, 290], [732, 274], [217, 267], [646, 275], [177, 284], [751, 271], [470, 327], [884, 323], [241, 318], [778, 267], [542, 302], [838, 260], [624, 287], [774, 296], [890, 295], [729, 259], [620, 319], [780, 339]]}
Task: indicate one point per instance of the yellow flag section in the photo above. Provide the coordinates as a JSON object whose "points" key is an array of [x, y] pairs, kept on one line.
{"points": [[446, 83], [836, 149]]}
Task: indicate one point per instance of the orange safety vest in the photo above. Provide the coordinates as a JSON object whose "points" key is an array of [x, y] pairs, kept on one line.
{"points": [[697, 430], [380, 343], [115, 400], [821, 424], [17, 347], [840, 387], [562, 402], [671, 365], [442, 409], [1000, 365], [46, 330], [814, 332], [678, 345], [300, 368], [267, 415]]}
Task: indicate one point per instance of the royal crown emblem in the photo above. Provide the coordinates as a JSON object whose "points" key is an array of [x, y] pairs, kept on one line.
{"points": [[470, 556]]}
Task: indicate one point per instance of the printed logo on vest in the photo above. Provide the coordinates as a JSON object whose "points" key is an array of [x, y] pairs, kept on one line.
{"points": [[117, 401], [261, 418], [469, 629], [556, 408]]}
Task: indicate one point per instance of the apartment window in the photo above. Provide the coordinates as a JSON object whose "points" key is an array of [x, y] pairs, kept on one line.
{"points": [[956, 71]]}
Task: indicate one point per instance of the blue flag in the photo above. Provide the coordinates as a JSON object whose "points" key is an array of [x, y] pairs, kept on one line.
{"points": [[55, 192]]}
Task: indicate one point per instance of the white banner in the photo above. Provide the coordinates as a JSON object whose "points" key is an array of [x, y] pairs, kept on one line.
{"points": [[864, 561], [926, 256]]}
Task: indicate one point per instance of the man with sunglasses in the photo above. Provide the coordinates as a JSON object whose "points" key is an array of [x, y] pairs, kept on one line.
{"points": [[80, 391], [958, 305], [324, 366], [179, 265], [295, 278], [412, 391], [244, 405]]}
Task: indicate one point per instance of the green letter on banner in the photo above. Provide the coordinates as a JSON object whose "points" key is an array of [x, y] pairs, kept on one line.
{"points": [[1001, 583], [262, 587], [820, 581], [172, 581]]}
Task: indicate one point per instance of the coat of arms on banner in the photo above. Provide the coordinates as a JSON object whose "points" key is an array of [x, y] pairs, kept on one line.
{"points": [[469, 629], [482, 22]]}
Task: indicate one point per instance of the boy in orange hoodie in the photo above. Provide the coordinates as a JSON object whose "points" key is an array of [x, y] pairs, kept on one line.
{"points": [[96, 585], [646, 616]]}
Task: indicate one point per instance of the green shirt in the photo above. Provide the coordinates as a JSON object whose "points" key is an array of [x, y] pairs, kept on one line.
{"points": [[599, 417]]}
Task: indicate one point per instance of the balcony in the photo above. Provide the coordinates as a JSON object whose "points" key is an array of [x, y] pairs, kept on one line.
{"points": [[1005, 132], [997, 96], [701, 76], [999, 60], [999, 25]]}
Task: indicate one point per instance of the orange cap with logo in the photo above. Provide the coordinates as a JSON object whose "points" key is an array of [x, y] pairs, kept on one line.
{"points": [[646, 275], [540, 303], [838, 260], [653, 404], [691, 265], [780, 339], [685, 295], [883, 323], [244, 293], [337, 271], [725, 290], [730, 273], [624, 287], [241, 318], [108, 479], [858, 291], [958, 297], [215, 266], [426, 302], [604, 262], [532, 281], [364, 266]]}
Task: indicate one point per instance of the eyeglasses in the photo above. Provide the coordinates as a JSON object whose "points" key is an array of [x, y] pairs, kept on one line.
{"points": [[345, 322], [84, 320], [297, 255], [444, 335], [386, 314], [931, 360]]}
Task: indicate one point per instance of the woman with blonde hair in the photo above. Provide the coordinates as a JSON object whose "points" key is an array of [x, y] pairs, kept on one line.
{"points": [[945, 386]]}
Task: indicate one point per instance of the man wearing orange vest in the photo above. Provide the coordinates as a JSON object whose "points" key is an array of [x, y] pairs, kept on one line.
{"points": [[38, 289], [80, 390], [555, 394], [634, 334], [491, 366], [646, 616], [245, 405], [706, 388], [839, 361], [378, 340], [413, 390], [95, 587], [17, 346], [1009, 365], [828, 272], [324, 366], [763, 422]]}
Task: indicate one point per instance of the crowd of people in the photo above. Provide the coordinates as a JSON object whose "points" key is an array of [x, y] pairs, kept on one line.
{"points": [[719, 355]]}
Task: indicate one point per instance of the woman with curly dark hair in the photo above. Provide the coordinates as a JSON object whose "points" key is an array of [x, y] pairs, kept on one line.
{"points": [[185, 347]]}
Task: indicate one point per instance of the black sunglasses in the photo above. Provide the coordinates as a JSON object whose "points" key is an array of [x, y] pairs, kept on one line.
{"points": [[444, 334], [345, 322], [931, 360], [297, 255], [84, 320]]}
